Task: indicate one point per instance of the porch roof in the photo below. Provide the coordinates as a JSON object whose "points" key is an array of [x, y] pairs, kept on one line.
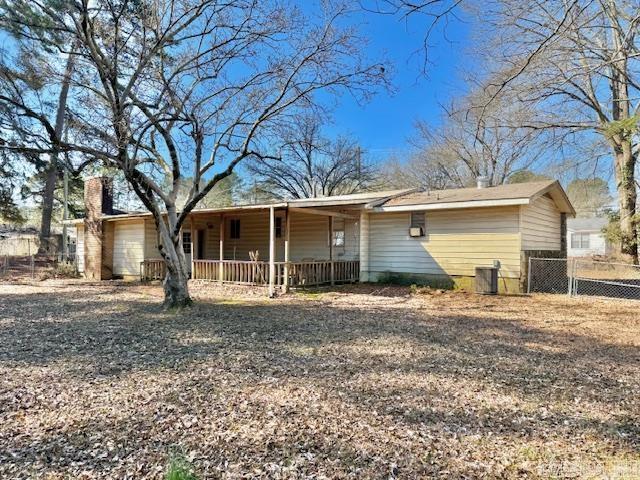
{"points": [[356, 200]]}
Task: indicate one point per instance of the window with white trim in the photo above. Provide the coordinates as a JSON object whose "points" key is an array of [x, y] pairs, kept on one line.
{"points": [[580, 240]]}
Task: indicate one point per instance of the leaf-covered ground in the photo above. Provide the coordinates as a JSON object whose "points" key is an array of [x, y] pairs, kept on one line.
{"points": [[361, 382]]}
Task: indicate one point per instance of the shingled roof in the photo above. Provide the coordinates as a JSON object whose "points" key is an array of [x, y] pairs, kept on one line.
{"points": [[512, 194], [409, 199]]}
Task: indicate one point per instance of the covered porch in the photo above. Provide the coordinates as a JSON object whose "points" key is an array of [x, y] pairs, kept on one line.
{"points": [[276, 246]]}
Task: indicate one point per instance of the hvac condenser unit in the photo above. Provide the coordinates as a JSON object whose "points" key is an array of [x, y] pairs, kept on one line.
{"points": [[416, 232], [487, 280]]}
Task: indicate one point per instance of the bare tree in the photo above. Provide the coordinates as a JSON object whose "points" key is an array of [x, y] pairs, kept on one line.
{"points": [[433, 14], [312, 166], [472, 141], [579, 62], [167, 89], [31, 65], [423, 169]]}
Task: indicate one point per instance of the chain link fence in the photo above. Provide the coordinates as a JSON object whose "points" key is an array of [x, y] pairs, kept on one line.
{"points": [[579, 276], [608, 279], [549, 275], [14, 267]]}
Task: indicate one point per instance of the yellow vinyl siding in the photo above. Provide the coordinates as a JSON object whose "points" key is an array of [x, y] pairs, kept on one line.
{"points": [[540, 225], [211, 227], [80, 247], [365, 236], [309, 237], [351, 240], [128, 247], [456, 242], [254, 236]]}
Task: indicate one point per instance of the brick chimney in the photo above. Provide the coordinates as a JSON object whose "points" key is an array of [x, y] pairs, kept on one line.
{"points": [[98, 241]]}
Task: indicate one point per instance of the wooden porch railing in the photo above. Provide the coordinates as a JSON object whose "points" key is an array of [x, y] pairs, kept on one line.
{"points": [[206, 270], [301, 274], [152, 269], [309, 274]]}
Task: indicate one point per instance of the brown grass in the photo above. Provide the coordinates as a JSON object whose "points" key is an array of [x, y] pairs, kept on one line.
{"points": [[361, 382]]}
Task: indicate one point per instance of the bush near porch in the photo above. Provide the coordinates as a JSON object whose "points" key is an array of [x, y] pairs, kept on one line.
{"points": [[362, 382]]}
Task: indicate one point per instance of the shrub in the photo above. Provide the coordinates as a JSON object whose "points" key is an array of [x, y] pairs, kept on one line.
{"points": [[60, 270]]}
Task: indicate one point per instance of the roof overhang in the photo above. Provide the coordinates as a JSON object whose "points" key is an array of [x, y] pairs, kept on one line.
{"points": [[453, 205], [553, 190]]}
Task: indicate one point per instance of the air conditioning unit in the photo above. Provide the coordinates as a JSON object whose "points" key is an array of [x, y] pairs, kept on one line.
{"points": [[416, 232]]}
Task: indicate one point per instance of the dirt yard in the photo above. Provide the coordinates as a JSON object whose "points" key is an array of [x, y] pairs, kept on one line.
{"points": [[362, 382]]}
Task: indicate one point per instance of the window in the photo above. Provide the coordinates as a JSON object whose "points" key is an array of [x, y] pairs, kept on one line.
{"points": [[418, 220], [278, 227], [186, 242], [234, 228], [338, 238], [579, 240]]}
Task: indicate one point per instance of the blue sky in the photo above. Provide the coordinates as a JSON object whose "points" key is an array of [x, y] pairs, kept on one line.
{"points": [[384, 125]]}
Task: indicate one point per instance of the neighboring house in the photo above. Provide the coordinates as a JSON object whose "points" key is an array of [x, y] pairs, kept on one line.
{"points": [[421, 237], [18, 241], [585, 237]]}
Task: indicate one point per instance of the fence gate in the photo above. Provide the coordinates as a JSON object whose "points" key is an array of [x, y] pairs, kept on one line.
{"points": [[578, 276], [549, 275]]}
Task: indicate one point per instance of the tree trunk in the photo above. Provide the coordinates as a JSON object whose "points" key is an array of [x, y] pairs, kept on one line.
{"points": [[625, 160], [47, 204], [176, 290], [625, 163], [52, 170]]}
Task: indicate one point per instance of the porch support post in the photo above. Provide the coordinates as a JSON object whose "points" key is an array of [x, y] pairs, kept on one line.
{"points": [[272, 251], [333, 265], [364, 246], [287, 232], [221, 254], [194, 246]]}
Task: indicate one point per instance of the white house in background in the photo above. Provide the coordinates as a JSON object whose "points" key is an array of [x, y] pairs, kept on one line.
{"points": [[585, 237]]}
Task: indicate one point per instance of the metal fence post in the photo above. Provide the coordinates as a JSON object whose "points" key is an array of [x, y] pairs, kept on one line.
{"points": [[529, 277]]}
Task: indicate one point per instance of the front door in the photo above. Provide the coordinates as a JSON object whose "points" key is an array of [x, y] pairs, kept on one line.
{"points": [[200, 245]]}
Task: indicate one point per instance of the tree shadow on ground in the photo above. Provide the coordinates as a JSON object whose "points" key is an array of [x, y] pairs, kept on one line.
{"points": [[392, 364]]}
